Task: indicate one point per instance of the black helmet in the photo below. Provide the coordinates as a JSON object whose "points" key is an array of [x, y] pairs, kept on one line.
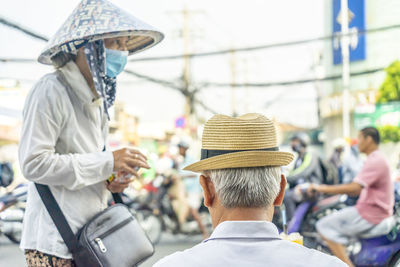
{"points": [[302, 137]]}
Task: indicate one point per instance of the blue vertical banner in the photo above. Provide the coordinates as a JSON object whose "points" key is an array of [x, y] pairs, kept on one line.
{"points": [[357, 23]]}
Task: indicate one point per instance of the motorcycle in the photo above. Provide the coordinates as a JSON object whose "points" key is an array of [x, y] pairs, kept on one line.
{"points": [[379, 246], [12, 209], [157, 214]]}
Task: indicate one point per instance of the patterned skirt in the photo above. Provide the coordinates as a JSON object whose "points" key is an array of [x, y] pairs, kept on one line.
{"points": [[36, 258]]}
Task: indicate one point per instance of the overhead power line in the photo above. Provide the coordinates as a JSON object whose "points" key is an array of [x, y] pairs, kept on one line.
{"points": [[154, 80], [203, 85], [204, 106], [266, 46], [204, 54], [208, 84], [176, 86], [16, 26], [25, 30], [18, 60], [284, 83], [169, 85]]}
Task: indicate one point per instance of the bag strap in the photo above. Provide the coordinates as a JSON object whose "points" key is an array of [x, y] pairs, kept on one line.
{"points": [[58, 217], [117, 198]]}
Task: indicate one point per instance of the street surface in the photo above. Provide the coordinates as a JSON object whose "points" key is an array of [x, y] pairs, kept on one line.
{"points": [[12, 256]]}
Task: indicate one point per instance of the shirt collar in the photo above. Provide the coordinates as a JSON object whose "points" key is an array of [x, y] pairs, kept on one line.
{"points": [[244, 229], [77, 82]]}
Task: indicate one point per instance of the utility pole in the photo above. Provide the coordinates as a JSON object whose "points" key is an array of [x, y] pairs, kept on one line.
{"points": [[318, 73], [246, 80], [186, 64], [187, 91], [233, 82], [345, 42]]}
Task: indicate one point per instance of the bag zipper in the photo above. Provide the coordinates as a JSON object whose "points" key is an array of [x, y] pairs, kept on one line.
{"points": [[99, 241], [115, 228]]}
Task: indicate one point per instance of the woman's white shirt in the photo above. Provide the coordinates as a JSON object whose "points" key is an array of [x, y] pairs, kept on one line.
{"points": [[63, 135]]}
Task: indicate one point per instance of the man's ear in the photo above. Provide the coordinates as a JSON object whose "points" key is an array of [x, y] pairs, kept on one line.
{"points": [[279, 199], [370, 141], [208, 190]]}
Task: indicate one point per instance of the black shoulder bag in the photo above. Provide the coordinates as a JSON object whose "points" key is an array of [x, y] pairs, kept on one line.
{"points": [[111, 238]]}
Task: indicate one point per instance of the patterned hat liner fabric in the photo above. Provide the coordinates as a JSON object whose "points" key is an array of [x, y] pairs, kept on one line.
{"points": [[98, 19]]}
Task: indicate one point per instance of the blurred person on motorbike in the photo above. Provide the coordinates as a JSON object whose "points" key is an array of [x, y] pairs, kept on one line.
{"points": [[167, 166], [376, 198], [307, 169], [194, 193]]}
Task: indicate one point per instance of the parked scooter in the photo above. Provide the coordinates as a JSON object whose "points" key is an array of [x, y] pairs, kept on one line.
{"points": [[377, 247], [12, 209]]}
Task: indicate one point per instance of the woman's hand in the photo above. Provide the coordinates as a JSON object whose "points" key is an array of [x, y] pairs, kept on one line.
{"points": [[126, 160], [117, 186]]}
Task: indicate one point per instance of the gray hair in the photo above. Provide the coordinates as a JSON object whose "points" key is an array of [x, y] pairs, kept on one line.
{"points": [[255, 187]]}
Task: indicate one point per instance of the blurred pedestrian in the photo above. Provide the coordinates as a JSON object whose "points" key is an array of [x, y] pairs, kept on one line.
{"points": [[336, 158], [398, 170], [241, 179], [339, 146], [194, 193], [65, 128]]}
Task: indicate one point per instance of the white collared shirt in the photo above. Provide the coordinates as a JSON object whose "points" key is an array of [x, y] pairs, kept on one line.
{"points": [[248, 243], [61, 146]]}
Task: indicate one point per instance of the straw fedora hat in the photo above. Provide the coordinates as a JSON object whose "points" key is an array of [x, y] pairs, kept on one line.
{"points": [[98, 19], [246, 141]]}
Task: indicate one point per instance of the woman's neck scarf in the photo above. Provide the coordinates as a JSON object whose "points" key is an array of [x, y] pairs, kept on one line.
{"points": [[104, 85]]}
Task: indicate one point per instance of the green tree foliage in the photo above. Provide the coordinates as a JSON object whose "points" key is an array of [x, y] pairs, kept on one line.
{"points": [[390, 89], [389, 133], [388, 92]]}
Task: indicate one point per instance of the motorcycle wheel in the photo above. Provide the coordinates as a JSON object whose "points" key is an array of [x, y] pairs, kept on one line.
{"points": [[151, 224], [395, 262], [14, 237]]}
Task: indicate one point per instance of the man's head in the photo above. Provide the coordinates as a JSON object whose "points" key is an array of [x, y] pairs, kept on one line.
{"points": [[242, 189], [183, 147], [368, 140], [240, 166], [339, 145], [299, 142]]}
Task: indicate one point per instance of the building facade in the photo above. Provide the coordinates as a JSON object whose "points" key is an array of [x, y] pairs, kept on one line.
{"points": [[369, 52]]}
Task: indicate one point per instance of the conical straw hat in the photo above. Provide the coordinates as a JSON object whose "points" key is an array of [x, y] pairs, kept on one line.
{"points": [[98, 19], [247, 141]]}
